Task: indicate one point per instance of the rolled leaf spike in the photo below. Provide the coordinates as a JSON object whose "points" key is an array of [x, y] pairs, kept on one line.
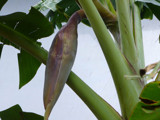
{"points": [[60, 61]]}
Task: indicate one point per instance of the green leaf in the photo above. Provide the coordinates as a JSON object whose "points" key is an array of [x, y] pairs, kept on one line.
{"points": [[16, 113], [33, 25], [1, 47], [32, 116], [155, 2], [13, 113], [7, 42], [147, 95], [154, 5], [64, 9], [56, 18], [57, 14], [114, 4], [39, 26], [149, 107], [28, 66], [143, 112], [60, 12], [47, 4], [2, 3], [68, 7], [155, 9], [146, 12]]}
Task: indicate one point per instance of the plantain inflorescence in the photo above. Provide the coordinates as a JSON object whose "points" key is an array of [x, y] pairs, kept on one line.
{"points": [[60, 61]]}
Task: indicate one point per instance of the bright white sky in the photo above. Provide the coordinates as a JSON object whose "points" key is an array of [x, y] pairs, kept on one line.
{"points": [[90, 65]]}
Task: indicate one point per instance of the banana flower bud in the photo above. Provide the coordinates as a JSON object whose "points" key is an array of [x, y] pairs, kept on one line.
{"points": [[60, 61]]}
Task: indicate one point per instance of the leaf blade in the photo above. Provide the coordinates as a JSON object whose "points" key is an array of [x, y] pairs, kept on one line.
{"points": [[2, 3], [154, 5], [16, 113], [142, 112], [28, 66], [149, 106], [32, 26], [1, 47]]}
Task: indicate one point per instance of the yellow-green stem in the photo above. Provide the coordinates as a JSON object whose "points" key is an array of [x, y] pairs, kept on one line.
{"points": [[126, 33], [128, 90], [137, 32], [110, 6]]}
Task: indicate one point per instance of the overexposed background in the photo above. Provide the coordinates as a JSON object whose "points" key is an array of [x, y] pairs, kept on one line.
{"points": [[90, 66]]}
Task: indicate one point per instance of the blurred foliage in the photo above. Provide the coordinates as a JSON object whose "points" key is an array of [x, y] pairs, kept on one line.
{"points": [[1, 47], [150, 7], [149, 106], [2, 3], [64, 9], [28, 67], [47, 4], [146, 12], [34, 26], [61, 12], [16, 113]]}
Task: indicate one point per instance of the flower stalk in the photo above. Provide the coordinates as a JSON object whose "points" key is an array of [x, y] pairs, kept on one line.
{"points": [[128, 90]]}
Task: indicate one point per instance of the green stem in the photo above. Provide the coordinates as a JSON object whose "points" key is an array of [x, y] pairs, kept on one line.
{"points": [[110, 21], [110, 6], [107, 15], [24, 42], [125, 26], [104, 3], [128, 90], [101, 109], [107, 4], [137, 30]]}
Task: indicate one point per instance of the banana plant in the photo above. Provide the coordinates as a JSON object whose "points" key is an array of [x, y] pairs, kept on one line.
{"points": [[118, 18]]}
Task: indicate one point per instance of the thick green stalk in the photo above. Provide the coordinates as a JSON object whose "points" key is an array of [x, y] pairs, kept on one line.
{"points": [[24, 42], [125, 26], [128, 90], [108, 16], [104, 3], [107, 4], [137, 30], [100, 108], [110, 21], [110, 6]]}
